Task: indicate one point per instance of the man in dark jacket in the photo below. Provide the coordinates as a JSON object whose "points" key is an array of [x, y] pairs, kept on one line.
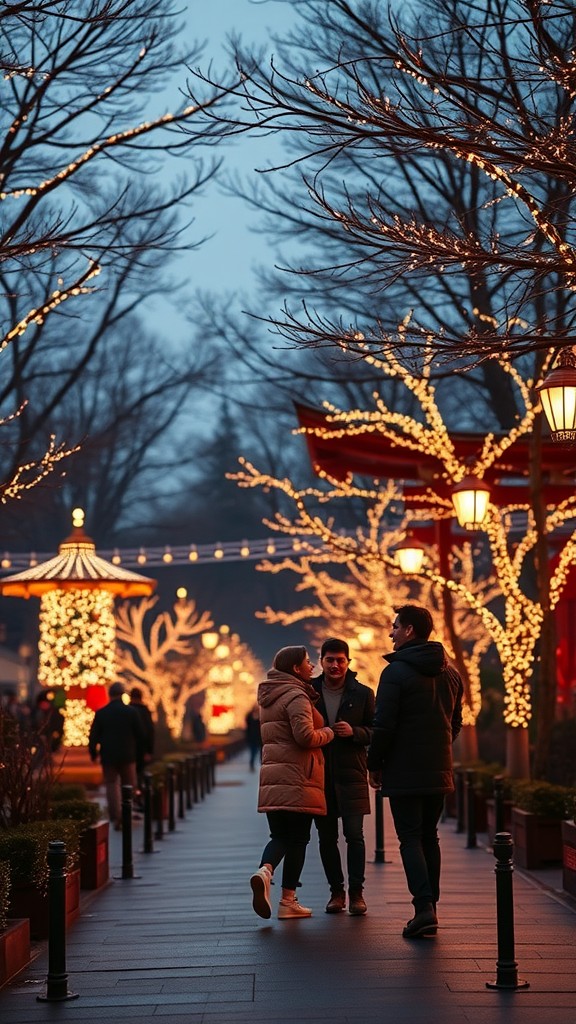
{"points": [[145, 751], [115, 737], [348, 707], [418, 715]]}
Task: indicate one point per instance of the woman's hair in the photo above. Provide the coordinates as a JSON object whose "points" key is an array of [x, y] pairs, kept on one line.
{"points": [[287, 657]]}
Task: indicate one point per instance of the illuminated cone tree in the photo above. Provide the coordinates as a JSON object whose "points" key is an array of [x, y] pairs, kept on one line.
{"points": [[77, 589]]}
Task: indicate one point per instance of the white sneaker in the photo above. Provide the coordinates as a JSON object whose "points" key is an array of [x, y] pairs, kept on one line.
{"points": [[291, 908], [260, 883]]}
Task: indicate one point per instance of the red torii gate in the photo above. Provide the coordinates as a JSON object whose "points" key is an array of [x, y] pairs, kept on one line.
{"points": [[371, 454]]}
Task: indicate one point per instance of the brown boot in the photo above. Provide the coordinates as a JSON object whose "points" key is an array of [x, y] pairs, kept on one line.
{"points": [[337, 902], [357, 903]]}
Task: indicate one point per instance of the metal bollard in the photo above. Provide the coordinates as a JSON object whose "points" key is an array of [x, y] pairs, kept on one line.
{"points": [[159, 810], [148, 836], [188, 778], [170, 780], [180, 771], [127, 862], [213, 761], [57, 978], [460, 800], [499, 803], [506, 966], [195, 778], [201, 763], [207, 761], [470, 810]]}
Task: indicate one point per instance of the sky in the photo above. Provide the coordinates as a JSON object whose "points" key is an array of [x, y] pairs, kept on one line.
{"points": [[226, 261]]}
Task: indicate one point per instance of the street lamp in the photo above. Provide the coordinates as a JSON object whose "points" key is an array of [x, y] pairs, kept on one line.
{"points": [[409, 554], [558, 396], [471, 497]]}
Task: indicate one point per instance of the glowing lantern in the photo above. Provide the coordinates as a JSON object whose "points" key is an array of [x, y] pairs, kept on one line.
{"points": [[471, 498], [558, 396], [409, 555]]}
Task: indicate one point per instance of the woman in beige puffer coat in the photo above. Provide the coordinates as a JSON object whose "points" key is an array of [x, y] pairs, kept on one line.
{"points": [[291, 776]]}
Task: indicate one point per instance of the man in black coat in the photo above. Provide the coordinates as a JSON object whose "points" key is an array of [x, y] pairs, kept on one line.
{"points": [[418, 716], [348, 707], [145, 751], [115, 737]]}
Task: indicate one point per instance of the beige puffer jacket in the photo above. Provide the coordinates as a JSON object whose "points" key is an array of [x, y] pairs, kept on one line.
{"points": [[292, 771]]}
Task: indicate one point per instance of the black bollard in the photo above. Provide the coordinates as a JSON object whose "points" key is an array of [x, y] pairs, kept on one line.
{"points": [[180, 771], [127, 863], [195, 778], [188, 780], [170, 780], [499, 803], [212, 769], [460, 799], [57, 978], [207, 759], [506, 966], [470, 810], [201, 762], [159, 810], [148, 831]]}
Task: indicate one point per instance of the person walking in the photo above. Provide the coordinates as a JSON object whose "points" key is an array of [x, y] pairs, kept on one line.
{"points": [[348, 707], [115, 736], [254, 735], [291, 790], [418, 716]]}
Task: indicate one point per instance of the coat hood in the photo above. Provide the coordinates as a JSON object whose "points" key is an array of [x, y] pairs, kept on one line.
{"points": [[277, 684], [427, 657]]}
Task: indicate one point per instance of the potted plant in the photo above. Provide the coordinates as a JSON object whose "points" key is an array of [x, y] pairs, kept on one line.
{"points": [[14, 935], [569, 846], [537, 812], [93, 833], [25, 848]]}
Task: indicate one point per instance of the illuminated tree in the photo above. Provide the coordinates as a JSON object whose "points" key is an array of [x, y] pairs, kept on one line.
{"points": [[89, 215], [511, 530], [165, 657]]}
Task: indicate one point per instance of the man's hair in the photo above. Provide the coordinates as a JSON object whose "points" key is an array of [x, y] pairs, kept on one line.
{"points": [[417, 617], [115, 690], [336, 645], [135, 693], [287, 657]]}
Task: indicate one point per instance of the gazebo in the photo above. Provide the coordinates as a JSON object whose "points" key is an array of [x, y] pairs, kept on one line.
{"points": [[76, 650]]}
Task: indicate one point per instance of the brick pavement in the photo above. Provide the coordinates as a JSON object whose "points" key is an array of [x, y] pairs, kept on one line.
{"points": [[181, 943]]}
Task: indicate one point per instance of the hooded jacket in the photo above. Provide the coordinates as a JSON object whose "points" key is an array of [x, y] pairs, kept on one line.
{"points": [[418, 716], [345, 775], [292, 769]]}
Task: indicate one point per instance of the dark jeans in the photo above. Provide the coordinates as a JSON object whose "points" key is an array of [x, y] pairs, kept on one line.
{"points": [[352, 827], [415, 820], [289, 837]]}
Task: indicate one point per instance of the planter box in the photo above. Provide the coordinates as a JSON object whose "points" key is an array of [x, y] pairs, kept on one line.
{"points": [[26, 901], [491, 818], [537, 841], [569, 857], [94, 862], [14, 949]]}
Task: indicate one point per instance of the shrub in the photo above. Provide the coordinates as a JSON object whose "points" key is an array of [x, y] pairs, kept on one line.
{"points": [[68, 791], [85, 812], [25, 847], [543, 798], [27, 774]]}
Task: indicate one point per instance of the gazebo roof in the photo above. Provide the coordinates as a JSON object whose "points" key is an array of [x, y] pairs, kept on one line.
{"points": [[77, 567], [372, 454]]}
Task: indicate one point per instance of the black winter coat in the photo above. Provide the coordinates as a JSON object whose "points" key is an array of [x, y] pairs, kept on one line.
{"points": [[418, 715], [116, 733], [345, 768]]}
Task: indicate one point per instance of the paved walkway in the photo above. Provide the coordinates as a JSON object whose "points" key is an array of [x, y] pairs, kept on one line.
{"points": [[181, 943]]}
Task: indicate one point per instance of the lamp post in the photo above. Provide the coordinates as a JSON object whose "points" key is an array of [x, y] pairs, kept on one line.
{"points": [[558, 396]]}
